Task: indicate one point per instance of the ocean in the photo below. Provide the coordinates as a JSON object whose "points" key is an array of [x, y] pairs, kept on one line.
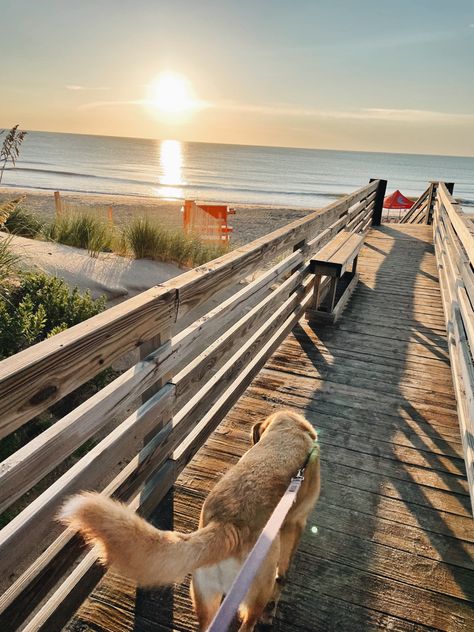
{"points": [[234, 174]]}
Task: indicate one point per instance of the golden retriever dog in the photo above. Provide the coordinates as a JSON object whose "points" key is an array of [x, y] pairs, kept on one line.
{"points": [[232, 518]]}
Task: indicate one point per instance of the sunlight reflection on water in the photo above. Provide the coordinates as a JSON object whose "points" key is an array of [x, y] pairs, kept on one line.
{"points": [[171, 163]]}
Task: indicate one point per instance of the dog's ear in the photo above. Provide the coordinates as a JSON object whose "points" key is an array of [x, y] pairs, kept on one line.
{"points": [[256, 432]]}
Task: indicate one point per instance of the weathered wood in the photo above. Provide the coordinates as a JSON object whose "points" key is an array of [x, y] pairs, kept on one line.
{"points": [[255, 361], [332, 261], [378, 201], [406, 218], [40, 456], [35, 378], [317, 315], [204, 367], [461, 223], [17, 603], [461, 353], [148, 347], [360, 369], [55, 613], [362, 217], [394, 483], [335, 263], [19, 537], [28, 465]]}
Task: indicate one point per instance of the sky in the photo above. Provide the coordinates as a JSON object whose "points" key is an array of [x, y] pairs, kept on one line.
{"points": [[372, 75]]}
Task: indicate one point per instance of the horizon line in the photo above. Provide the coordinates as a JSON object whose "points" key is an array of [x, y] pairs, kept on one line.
{"points": [[355, 151]]}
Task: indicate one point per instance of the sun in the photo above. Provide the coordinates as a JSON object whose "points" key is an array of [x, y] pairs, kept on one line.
{"points": [[171, 93]]}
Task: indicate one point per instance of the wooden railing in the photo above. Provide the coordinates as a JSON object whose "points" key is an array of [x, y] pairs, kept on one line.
{"points": [[187, 382], [454, 245], [419, 212], [422, 210]]}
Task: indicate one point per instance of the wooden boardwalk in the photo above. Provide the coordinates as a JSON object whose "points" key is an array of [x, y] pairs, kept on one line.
{"points": [[390, 543]]}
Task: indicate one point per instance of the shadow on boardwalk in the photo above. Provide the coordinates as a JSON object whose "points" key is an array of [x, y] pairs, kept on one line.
{"points": [[392, 548]]}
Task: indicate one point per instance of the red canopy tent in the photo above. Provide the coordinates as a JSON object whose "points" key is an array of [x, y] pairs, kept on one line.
{"points": [[397, 200]]}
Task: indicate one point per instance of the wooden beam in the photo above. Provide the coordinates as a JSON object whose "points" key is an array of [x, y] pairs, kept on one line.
{"points": [[28, 530], [36, 378], [378, 202], [461, 224]]}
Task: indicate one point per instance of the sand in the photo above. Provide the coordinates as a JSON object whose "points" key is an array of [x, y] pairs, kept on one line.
{"points": [[249, 222], [117, 278]]}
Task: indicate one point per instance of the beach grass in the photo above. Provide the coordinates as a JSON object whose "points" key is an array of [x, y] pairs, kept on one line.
{"points": [[148, 239], [88, 228], [20, 221], [82, 230]]}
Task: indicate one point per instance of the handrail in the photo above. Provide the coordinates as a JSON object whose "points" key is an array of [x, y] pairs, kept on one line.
{"points": [[205, 368], [454, 246], [417, 213], [32, 380]]}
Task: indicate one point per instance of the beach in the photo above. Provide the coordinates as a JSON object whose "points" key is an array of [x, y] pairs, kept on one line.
{"points": [[249, 221]]}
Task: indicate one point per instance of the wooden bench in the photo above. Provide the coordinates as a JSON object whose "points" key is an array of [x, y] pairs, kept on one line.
{"points": [[334, 283]]}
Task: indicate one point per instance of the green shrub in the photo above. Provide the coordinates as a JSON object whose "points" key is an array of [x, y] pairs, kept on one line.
{"points": [[33, 308], [22, 222], [149, 240], [82, 230], [38, 306]]}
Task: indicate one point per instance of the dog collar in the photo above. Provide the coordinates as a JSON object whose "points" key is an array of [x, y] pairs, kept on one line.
{"points": [[313, 454]]}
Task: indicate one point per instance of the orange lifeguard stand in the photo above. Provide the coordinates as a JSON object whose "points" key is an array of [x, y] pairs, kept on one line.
{"points": [[209, 221]]}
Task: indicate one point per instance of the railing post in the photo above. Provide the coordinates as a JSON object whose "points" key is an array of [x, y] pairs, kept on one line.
{"points": [[432, 198], [145, 349], [378, 202]]}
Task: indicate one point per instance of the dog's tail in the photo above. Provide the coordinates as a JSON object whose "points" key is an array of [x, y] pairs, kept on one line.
{"points": [[136, 549]]}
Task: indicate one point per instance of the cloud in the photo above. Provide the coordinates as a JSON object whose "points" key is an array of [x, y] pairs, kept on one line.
{"points": [[76, 87], [415, 116], [103, 104], [387, 115], [197, 104], [365, 114]]}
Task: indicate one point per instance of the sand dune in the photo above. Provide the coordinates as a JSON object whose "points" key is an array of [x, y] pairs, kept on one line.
{"points": [[115, 277]]}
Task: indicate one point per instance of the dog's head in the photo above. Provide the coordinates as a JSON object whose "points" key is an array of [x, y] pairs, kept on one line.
{"points": [[282, 419]]}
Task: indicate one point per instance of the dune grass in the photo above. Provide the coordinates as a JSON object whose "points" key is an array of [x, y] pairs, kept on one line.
{"points": [[20, 221], [142, 237], [82, 230], [148, 239]]}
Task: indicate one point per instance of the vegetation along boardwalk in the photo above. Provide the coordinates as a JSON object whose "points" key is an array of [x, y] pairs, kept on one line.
{"points": [[390, 544], [388, 382]]}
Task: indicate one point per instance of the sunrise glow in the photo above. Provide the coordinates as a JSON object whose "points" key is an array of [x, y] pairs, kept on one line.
{"points": [[171, 93]]}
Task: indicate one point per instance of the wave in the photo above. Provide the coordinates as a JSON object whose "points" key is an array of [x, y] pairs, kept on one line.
{"points": [[198, 187], [58, 172]]}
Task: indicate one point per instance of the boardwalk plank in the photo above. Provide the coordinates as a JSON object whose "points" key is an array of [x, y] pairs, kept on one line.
{"points": [[395, 540]]}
